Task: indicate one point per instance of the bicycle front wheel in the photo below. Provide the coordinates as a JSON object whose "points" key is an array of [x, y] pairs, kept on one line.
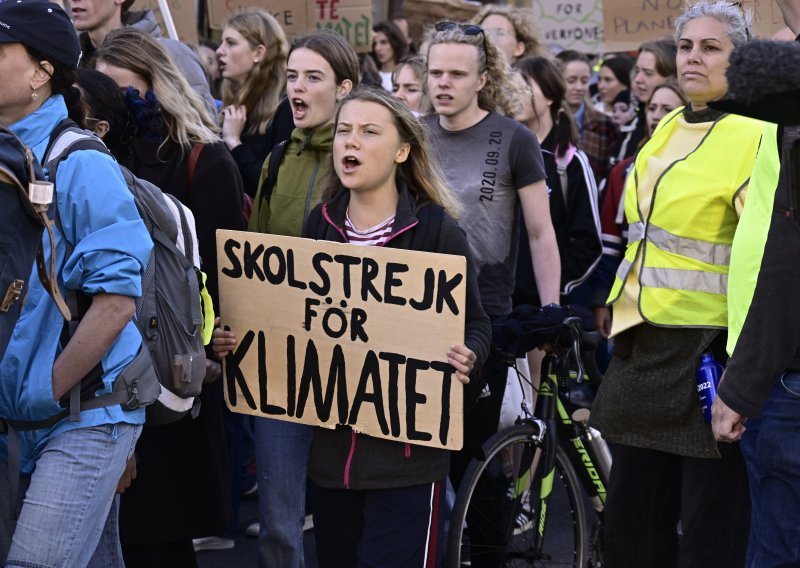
{"points": [[498, 518]]}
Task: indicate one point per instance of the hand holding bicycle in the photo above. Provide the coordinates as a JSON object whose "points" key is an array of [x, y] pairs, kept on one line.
{"points": [[463, 361]]}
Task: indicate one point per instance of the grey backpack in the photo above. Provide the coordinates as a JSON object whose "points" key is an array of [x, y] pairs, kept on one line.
{"points": [[169, 313]]}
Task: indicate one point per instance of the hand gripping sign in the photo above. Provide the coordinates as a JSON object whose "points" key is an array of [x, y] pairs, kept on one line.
{"points": [[332, 334]]}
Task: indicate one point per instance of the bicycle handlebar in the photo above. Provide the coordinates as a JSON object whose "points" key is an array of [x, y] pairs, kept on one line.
{"points": [[560, 327]]}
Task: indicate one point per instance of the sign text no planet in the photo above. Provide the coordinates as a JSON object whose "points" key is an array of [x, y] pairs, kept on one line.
{"points": [[340, 334]]}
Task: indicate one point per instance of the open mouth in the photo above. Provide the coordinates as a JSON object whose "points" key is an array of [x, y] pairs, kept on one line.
{"points": [[299, 108], [350, 163]]}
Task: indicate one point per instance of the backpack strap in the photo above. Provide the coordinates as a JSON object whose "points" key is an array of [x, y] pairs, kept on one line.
{"points": [[275, 158], [194, 156], [67, 138], [425, 236]]}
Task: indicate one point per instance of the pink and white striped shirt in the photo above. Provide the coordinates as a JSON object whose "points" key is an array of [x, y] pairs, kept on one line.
{"points": [[374, 236]]}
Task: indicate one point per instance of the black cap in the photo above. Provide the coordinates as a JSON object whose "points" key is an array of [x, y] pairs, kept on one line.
{"points": [[42, 26]]}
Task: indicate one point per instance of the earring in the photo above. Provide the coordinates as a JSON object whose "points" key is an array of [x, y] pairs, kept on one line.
{"points": [[255, 61], [34, 96]]}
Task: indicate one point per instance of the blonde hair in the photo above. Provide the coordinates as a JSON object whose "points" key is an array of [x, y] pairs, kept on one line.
{"points": [[183, 112], [500, 94], [420, 171], [261, 90], [522, 20], [417, 65]]}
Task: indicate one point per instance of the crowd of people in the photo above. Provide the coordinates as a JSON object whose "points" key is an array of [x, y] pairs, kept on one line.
{"points": [[639, 187]]}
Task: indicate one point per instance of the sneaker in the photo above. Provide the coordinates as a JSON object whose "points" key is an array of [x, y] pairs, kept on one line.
{"points": [[308, 525], [523, 522], [251, 487], [212, 543], [253, 529]]}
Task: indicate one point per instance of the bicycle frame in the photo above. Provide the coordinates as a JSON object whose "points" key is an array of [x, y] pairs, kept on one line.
{"points": [[561, 429]]}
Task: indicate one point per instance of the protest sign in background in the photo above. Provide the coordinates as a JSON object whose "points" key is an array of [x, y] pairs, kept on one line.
{"points": [[350, 18], [576, 24], [629, 23], [295, 16], [422, 13], [184, 16], [767, 17], [332, 333]]}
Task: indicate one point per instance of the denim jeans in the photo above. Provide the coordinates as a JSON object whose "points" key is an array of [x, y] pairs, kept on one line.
{"points": [[69, 512], [771, 449], [282, 461]]}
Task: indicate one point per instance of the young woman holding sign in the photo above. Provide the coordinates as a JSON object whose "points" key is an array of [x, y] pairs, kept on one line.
{"points": [[379, 502], [321, 70]]}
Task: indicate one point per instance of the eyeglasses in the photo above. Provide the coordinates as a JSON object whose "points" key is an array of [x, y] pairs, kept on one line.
{"points": [[468, 29]]}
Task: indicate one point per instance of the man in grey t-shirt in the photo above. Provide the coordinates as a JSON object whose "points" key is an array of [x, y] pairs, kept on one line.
{"points": [[492, 162], [495, 166]]}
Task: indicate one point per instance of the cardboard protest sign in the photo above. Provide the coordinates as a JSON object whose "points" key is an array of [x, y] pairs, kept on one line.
{"points": [[294, 16], [341, 334], [629, 23], [576, 24], [352, 19], [767, 17], [422, 13], [184, 15]]}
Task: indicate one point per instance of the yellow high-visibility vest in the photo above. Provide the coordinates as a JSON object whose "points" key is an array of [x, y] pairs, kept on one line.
{"points": [[682, 249]]}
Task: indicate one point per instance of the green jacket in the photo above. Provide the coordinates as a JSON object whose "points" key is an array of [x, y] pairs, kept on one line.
{"points": [[304, 166]]}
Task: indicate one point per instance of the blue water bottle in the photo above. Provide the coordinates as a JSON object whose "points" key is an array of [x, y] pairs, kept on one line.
{"points": [[709, 372]]}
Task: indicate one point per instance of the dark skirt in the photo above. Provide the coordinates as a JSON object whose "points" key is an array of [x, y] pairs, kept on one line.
{"points": [[648, 398]]}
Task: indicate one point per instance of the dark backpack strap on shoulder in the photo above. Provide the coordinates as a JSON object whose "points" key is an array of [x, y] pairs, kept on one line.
{"points": [[425, 236], [65, 139], [275, 158]]}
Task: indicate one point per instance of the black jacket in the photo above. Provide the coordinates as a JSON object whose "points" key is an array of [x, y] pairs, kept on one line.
{"points": [[340, 458], [575, 221]]}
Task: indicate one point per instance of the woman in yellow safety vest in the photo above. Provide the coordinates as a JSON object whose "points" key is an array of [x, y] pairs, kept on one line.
{"points": [[682, 200]]}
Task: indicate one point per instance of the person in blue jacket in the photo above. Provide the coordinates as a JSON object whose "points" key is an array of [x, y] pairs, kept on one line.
{"points": [[68, 470]]}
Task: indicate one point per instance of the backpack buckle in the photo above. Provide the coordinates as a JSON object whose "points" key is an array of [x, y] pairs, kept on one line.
{"points": [[13, 294], [133, 402]]}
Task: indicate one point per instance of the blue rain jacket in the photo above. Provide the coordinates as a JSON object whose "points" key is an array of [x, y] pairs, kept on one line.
{"points": [[111, 248]]}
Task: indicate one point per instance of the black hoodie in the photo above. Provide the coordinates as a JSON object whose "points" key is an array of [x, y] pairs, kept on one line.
{"points": [[340, 458]]}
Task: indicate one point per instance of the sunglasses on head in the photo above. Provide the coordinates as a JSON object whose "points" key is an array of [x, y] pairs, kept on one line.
{"points": [[467, 29]]}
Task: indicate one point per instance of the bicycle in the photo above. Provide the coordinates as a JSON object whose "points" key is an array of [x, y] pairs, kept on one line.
{"points": [[541, 468]]}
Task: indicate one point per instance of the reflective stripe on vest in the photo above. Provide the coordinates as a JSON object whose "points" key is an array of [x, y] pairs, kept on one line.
{"points": [[704, 251], [687, 280], [677, 279]]}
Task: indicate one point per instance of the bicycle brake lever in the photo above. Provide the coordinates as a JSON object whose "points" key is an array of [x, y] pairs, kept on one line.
{"points": [[576, 350], [575, 328]]}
